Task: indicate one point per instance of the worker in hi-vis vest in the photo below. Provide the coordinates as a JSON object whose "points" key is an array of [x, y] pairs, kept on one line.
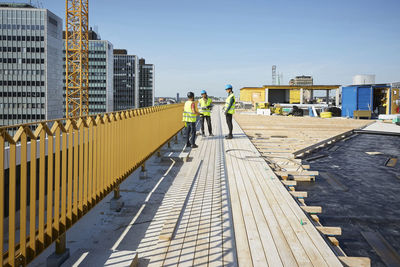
{"points": [[190, 114], [205, 112], [229, 109]]}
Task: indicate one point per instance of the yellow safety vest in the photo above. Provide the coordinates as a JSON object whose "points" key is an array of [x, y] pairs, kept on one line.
{"points": [[228, 100], [203, 107], [188, 115]]}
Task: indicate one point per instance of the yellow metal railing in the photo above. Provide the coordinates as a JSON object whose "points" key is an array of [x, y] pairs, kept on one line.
{"points": [[76, 163]]}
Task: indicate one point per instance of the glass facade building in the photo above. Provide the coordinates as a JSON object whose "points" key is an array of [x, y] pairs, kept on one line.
{"points": [[101, 74], [126, 80], [146, 84], [30, 64]]}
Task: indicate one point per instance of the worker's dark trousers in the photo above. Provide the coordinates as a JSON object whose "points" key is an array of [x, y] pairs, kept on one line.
{"points": [[190, 133], [208, 119], [229, 122]]}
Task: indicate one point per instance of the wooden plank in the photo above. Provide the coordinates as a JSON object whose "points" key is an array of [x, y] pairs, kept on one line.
{"points": [[303, 178], [241, 241], [332, 139], [327, 230], [333, 241], [288, 155], [216, 249], [173, 218], [289, 182], [204, 229], [174, 247], [312, 209], [297, 173], [355, 261], [291, 235], [270, 233], [313, 234], [314, 217], [187, 254], [293, 161], [257, 253], [299, 194], [168, 251], [302, 247]]}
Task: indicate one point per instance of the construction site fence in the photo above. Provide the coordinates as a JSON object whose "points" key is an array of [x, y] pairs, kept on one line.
{"points": [[76, 163]]}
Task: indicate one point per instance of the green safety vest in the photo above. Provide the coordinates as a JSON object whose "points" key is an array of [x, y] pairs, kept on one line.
{"points": [[228, 100], [203, 107], [188, 115]]}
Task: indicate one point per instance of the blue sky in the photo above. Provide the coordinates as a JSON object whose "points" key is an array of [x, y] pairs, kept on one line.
{"points": [[205, 44]]}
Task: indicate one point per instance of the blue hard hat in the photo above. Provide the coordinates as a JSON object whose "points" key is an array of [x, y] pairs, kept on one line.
{"points": [[228, 86], [203, 92]]}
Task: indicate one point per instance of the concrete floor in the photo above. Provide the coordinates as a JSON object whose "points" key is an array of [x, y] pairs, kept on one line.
{"points": [[108, 238], [358, 192], [383, 127]]}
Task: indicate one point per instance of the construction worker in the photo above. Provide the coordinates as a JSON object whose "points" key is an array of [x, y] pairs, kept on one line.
{"points": [[190, 114], [229, 109], [205, 112]]}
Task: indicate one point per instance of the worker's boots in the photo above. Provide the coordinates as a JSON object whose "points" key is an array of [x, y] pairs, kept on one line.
{"points": [[229, 136]]}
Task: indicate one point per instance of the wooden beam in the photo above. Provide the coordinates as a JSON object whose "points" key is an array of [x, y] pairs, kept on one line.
{"points": [[289, 182], [312, 209], [332, 139], [355, 261], [326, 230], [303, 178], [315, 218], [333, 241], [299, 194], [299, 173]]}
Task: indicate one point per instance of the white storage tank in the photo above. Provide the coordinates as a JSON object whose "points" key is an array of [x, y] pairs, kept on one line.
{"points": [[364, 79]]}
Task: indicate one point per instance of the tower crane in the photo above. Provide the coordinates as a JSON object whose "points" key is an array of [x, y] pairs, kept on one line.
{"points": [[77, 58]]}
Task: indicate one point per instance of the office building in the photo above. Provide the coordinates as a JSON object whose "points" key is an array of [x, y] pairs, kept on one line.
{"points": [[101, 75], [30, 64], [146, 84], [302, 81], [126, 80]]}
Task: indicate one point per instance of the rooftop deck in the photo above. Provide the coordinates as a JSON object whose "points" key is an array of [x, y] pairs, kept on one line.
{"points": [[233, 210], [225, 206]]}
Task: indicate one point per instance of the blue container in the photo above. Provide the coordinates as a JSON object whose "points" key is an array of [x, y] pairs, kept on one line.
{"points": [[356, 98]]}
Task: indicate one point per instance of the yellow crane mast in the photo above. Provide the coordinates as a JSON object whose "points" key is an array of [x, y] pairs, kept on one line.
{"points": [[77, 58]]}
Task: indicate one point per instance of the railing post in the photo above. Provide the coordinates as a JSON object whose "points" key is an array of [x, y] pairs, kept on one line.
{"points": [[176, 139], [143, 172], [61, 254], [116, 202], [117, 193], [169, 144], [61, 244]]}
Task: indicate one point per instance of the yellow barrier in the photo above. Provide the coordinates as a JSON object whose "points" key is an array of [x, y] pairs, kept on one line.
{"points": [[85, 158]]}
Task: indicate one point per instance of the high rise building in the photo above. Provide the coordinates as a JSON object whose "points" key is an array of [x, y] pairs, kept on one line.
{"points": [[30, 64], [126, 80], [302, 80], [101, 75], [146, 84]]}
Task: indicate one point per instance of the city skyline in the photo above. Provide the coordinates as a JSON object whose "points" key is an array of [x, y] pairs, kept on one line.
{"points": [[204, 45]]}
